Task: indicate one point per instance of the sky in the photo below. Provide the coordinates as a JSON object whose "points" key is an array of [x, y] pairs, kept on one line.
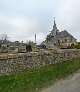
{"points": [[22, 19]]}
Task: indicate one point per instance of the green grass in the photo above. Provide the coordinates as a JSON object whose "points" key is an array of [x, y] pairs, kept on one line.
{"points": [[33, 80]]}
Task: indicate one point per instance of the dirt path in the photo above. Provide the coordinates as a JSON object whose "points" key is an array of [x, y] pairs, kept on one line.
{"points": [[68, 85]]}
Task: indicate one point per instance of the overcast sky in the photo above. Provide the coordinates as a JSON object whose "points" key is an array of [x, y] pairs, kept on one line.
{"points": [[22, 19]]}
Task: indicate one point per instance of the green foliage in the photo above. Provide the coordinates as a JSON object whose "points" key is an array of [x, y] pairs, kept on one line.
{"points": [[35, 50], [34, 80], [77, 45]]}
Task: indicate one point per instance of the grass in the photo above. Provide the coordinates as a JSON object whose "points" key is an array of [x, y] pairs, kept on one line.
{"points": [[34, 80]]}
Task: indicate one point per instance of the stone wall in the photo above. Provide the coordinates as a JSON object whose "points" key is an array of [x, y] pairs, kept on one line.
{"points": [[14, 63]]}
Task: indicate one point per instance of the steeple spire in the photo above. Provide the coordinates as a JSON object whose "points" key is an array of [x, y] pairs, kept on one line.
{"points": [[54, 26], [54, 30], [54, 21]]}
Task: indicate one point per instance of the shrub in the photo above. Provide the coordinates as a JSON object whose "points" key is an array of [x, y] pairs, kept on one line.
{"points": [[77, 45]]}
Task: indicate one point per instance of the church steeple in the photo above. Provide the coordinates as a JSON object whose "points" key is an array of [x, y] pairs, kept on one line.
{"points": [[54, 21], [54, 30], [54, 26]]}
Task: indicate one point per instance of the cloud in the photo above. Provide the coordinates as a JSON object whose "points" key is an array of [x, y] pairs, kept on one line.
{"points": [[23, 25], [20, 28], [22, 19], [68, 17]]}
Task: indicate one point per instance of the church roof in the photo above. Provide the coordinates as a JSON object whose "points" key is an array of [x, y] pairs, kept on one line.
{"points": [[64, 34]]}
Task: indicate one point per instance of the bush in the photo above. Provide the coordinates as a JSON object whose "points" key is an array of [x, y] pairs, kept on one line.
{"points": [[77, 45]]}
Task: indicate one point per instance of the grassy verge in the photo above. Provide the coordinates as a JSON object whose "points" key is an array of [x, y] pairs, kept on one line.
{"points": [[33, 80]]}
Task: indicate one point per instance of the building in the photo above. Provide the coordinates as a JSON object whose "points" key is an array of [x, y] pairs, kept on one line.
{"points": [[59, 39]]}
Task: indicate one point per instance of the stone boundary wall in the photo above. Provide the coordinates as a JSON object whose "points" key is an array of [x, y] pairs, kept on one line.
{"points": [[19, 62]]}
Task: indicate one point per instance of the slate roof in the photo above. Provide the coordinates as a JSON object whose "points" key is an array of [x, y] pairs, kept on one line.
{"points": [[64, 34]]}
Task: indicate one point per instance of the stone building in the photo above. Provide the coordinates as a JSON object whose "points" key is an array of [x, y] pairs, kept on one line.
{"points": [[59, 39]]}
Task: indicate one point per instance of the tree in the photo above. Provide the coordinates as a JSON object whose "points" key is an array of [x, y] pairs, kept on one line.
{"points": [[77, 45]]}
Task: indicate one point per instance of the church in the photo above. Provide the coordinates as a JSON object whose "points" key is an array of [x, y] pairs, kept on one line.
{"points": [[58, 39]]}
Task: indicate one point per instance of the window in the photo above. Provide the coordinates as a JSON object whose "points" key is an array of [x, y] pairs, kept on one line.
{"points": [[65, 40]]}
